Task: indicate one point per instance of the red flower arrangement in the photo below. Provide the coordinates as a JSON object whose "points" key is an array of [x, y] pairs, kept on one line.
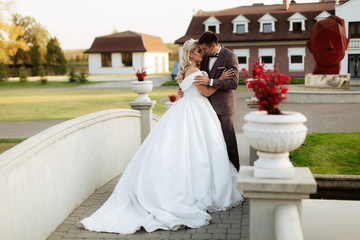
{"points": [[141, 74], [268, 87], [172, 98]]}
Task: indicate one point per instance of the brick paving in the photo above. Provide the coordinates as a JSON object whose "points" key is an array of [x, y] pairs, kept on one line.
{"points": [[232, 224]]}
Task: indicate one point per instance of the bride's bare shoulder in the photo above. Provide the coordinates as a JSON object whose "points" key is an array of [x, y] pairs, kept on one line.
{"points": [[191, 70]]}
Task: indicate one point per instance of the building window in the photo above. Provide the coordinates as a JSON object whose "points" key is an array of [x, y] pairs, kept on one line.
{"points": [[126, 59], [297, 22], [212, 28], [354, 29], [267, 28], [242, 60], [297, 27], [267, 59], [267, 23], [106, 60], [267, 56], [212, 24], [240, 24], [240, 28], [243, 57], [296, 59]]}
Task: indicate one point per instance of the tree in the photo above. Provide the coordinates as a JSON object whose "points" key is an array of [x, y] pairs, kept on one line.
{"points": [[35, 36], [55, 58], [35, 58], [9, 42]]}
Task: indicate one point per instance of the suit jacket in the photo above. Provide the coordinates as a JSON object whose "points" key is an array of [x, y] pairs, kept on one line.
{"points": [[223, 100]]}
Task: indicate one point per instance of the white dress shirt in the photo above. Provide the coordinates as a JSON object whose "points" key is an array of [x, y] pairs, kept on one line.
{"points": [[212, 61]]}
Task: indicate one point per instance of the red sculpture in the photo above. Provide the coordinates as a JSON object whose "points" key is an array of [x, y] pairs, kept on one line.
{"points": [[328, 43]]}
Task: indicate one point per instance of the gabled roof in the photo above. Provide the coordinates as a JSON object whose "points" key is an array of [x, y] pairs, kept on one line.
{"points": [[253, 14], [127, 42]]}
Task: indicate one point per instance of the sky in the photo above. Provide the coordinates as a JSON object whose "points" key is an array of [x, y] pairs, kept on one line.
{"points": [[76, 23]]}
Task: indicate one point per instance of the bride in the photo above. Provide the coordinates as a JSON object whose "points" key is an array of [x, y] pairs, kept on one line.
{"points": [[181, 172]]}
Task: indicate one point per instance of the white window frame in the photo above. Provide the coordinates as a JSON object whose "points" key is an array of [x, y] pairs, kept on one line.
{"points": [[243, 53], [296, 67], [322, 15], [267, 18], [296, 18], [240, 20], [212, 21], [267, 52]]}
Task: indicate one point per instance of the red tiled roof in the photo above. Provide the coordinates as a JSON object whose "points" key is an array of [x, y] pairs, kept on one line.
{"points": [[127, 42], [253, 13]]}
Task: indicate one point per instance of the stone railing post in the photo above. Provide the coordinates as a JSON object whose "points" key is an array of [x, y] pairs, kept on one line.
{"points": [[146, 116], [266, 195]]}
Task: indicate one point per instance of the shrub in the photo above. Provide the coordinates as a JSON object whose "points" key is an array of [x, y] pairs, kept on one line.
{"points": [[3, 72], [72, 75], [83, 77], [43, 79], [23, 74]]}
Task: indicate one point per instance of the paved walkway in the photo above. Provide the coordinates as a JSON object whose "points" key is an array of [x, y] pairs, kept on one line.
{"points": [[232, 224]]}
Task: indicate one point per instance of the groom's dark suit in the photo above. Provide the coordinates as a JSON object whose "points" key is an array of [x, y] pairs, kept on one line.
{"points": [[223, 100]]}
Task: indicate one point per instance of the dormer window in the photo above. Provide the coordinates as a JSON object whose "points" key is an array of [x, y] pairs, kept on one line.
{"points": [[297, 22], [322, 15], [240, 28], [267, 27], [240, 25], [212, 24], [296, 27], [267, 23]]}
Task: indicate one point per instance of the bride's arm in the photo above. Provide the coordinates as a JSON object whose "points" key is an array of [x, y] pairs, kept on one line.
{"points": [[206, 90]]}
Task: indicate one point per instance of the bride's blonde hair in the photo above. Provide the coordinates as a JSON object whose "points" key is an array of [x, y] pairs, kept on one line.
{"points": [[188, 47]]}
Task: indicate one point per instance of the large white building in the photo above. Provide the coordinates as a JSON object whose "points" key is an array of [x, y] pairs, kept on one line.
{"points": [[120, 53], [349, 11]]}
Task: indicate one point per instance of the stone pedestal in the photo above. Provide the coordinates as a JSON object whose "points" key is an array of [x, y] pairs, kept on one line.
{"points": [[253, 104], [267, 195], [146, 116], [327, 81]]}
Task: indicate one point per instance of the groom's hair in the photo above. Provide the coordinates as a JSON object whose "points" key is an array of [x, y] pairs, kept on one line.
{"points": [[208, 38]]}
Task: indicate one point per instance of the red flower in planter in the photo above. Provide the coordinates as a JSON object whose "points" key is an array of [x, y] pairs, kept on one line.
{"points": [[141, 74], [268, 87], [172, 98]]}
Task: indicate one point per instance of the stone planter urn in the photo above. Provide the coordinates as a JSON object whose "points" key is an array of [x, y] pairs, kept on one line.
{"points": [[274, 136], [142, 88], [169, 104]]}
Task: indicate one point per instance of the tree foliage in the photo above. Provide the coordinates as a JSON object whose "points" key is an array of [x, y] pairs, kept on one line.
{"points": [[9, 41], [35, 36], [55, 57]]}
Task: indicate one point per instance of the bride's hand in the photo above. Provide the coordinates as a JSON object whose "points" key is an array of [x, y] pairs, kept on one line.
{"points": [[226, 74]]}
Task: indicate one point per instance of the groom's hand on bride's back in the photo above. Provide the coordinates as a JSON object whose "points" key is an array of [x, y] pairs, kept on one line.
{"points": [[180, 93]]}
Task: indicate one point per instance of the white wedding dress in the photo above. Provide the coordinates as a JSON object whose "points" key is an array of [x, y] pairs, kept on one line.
{"points": [[179, 174]]}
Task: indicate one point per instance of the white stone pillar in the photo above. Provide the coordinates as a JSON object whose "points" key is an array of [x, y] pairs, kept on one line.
{"points": [[146, 116], [267, 194]]}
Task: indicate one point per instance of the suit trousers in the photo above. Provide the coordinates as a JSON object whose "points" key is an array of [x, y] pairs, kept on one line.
{"points": [[227, 125]]}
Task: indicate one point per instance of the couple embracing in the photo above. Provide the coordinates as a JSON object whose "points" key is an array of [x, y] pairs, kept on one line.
{"points": [[182, 172]]}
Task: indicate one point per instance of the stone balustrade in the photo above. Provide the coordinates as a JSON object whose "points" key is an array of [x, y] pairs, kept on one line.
{"points": [[44, 178]]}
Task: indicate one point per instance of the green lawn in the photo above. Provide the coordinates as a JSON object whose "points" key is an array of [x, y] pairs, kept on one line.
{"points": [[68, 104], [37, 84], [323, 153], [329, 153]]}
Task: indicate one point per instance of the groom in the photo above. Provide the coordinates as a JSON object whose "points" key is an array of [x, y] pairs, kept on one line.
{"points": [[216, 59]]}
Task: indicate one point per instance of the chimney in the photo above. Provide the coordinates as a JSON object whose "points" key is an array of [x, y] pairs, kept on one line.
{"points": [[285, 6]]}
